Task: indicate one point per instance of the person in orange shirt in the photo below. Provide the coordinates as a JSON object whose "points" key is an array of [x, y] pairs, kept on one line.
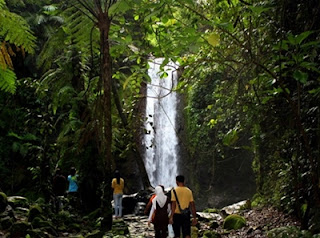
{"points": [[117, 185]]}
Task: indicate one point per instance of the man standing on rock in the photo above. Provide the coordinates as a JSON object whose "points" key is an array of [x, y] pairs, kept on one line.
{"points": [[182, 201]]}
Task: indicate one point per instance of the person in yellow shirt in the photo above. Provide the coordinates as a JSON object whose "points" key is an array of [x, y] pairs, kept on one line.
{"points": [[182, 201], [117, 185]]}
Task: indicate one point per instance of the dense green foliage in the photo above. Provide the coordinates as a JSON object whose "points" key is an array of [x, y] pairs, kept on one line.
{"points": [[249, 73], [268, 92]]}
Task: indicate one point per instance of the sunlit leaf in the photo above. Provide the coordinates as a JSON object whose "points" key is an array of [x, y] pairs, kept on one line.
{"points": [[230, 138], [120, 6], [258, 9], [214, 39]]}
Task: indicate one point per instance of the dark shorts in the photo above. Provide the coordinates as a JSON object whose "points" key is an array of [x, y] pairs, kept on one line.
{"points": [[181, 222]]}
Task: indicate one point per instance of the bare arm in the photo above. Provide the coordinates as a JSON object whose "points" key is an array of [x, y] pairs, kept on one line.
{"points": [[173, 208], [194, 214], [146, 210], [151, 212]]}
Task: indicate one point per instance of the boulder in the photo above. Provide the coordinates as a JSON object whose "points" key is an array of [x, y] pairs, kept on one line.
{"points": [[135, 203], [234, 222], [211, 210], [128, 203], [3, 202], [139, 208], [203, 216], [235, 208]]}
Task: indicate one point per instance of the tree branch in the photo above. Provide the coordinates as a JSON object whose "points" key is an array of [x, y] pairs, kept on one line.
{"points": [[88, 8], [80, 10]]}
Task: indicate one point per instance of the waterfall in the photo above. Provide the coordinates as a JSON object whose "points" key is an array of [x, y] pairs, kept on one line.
{"points": [[160, 139]]}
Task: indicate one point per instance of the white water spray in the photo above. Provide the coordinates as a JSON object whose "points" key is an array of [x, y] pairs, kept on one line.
{"points": [[160, 140]]}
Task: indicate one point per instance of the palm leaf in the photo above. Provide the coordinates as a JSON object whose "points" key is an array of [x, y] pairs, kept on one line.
{"points": [[15, 30], [7, 80]]}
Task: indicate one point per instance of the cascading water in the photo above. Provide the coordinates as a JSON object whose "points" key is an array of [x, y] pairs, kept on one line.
{"points": [[160, 139]]}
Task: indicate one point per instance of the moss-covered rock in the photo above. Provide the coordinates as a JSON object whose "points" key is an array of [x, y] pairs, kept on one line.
{"points": [[3, 202], [211, 234], [18, 201], [211, 210], [35, 211], [234, 222], [288, 231]]}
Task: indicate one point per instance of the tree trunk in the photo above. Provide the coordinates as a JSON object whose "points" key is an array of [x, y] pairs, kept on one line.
{"points": [[105, 120]]}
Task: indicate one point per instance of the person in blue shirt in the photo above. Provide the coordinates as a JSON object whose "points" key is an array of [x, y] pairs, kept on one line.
{"points": [[73, 188], [73, 183]]}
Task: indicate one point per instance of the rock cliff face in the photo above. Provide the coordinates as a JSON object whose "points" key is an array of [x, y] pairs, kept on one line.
{"points": [[214, 183]]}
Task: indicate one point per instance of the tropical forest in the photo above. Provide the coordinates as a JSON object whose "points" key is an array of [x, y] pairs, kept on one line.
{"points": [[95, 94]]}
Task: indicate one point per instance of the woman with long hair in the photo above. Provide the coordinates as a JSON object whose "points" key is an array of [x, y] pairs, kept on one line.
{"points": [[117, 185]]}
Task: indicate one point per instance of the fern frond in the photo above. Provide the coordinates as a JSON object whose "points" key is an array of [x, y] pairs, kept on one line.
{"points": [[79, 27], [15, 30], [7, 80], [50, 8], [17, 3], [52, 48]]}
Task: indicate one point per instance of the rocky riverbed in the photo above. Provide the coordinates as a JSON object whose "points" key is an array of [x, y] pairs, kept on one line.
{"points": [[18, 218], [259, 222]]}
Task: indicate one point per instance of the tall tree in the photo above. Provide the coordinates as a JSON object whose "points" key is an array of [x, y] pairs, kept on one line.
{"points": [[98, 12]]}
